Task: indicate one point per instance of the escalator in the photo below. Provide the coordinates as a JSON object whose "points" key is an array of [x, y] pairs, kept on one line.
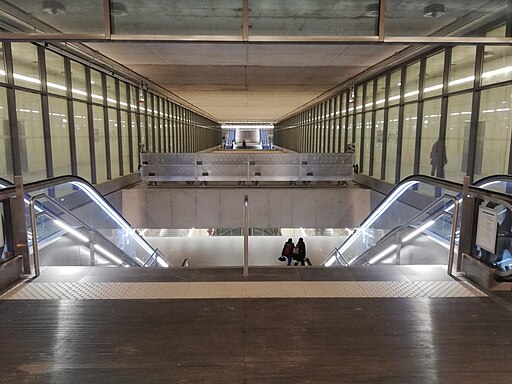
{"points": [[414, 225], [70, 223]]}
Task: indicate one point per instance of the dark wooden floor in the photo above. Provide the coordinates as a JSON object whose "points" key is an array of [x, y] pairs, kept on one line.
{"points": [[392, 340]]}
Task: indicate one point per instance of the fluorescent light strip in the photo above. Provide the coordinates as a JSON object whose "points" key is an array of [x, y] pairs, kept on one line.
{"points": [[384, 253], [418, 231], [71, 231], [462, 80], [108, 254]]}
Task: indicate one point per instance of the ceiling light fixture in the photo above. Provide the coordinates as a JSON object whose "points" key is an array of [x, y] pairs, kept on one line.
{"points": [[54, 8], [118, 9], [434, 10]]}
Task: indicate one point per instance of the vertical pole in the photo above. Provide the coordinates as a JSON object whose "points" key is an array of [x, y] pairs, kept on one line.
{"points": [[246, 236], [34, 237], [19, 225], [467, 205], [455, 218], [91, 249]]}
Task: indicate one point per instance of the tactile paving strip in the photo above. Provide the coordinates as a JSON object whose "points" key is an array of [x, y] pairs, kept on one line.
{"points": [[220, 290]]}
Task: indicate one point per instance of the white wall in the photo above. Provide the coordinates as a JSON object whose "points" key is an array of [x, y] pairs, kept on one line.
{"points": [[228, 250]]}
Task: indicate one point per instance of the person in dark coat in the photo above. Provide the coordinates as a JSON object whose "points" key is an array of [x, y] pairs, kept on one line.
{"points": [[300, 257], [288, 251]]}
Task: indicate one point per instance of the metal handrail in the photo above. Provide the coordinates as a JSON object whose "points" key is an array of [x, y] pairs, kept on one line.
{"points": [[398, 229], [35, 247]]}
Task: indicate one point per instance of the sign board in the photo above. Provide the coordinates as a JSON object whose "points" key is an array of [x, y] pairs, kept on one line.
{"points": [[487, 229]]}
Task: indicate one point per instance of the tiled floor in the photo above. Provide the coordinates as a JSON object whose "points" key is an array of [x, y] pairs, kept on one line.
{"points": [[319, 326]]}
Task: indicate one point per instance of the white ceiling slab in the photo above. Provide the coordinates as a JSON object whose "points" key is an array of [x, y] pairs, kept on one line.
{"points": [[246, 82]]}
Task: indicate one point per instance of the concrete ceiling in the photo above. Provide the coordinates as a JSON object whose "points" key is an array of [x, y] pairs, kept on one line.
{"points": [[247, 81], [244, 82]]}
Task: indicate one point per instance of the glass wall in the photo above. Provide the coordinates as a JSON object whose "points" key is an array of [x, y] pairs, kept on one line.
{"points": [[94, 121], [449, 119], [59, 133]]}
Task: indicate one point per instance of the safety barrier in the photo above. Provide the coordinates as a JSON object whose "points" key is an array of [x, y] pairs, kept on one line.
{"points": [[247, 167]]}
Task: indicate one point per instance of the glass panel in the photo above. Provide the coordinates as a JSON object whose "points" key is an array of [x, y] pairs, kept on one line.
{"points": [[126, 142], [367, 142], [408, 140], [368, 100], [111, 91], [2, 64], [96, 87], [394, 88], [493, 134], [434, 75], [6, 170], [25, 62], [359, 98], [123, 99], [381, 92], [434, 18], [162, 17], [59, 131], [78, 80], [114, 143], [135, 142], [377, 148], [462, 68], [432, 154], [412, 84], [55, 75], [331, 18], [30, 131], [134, 98], [457, 136], [100, 150], [66, 16], [497, 64], [391, 145], [357, 148], [82, 140]]}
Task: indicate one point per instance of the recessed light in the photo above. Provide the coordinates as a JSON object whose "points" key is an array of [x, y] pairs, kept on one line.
{"points": [[54, 8], [118, 9], [434, 10]]}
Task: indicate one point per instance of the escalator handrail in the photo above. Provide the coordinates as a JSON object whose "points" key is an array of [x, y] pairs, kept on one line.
{"points": [[9, 192], [433, 216], [436, 182], [95, 231]]}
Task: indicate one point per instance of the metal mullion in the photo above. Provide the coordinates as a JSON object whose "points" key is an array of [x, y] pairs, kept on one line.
{"points": [[71, 116], [45, 112], [105, 125], [13, 117], [382, 20], [127, 89], [401, 115], [107, 26], [419, 115], [152, 117], [119, 128], [245, 20], [372, 130], [363, 123], [444, 104], [90, 125], [385, 128], [475, 113]]}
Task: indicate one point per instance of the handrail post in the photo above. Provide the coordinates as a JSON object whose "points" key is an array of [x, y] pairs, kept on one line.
{"points": [[37, 268], [455, 219], [246, 236]]}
